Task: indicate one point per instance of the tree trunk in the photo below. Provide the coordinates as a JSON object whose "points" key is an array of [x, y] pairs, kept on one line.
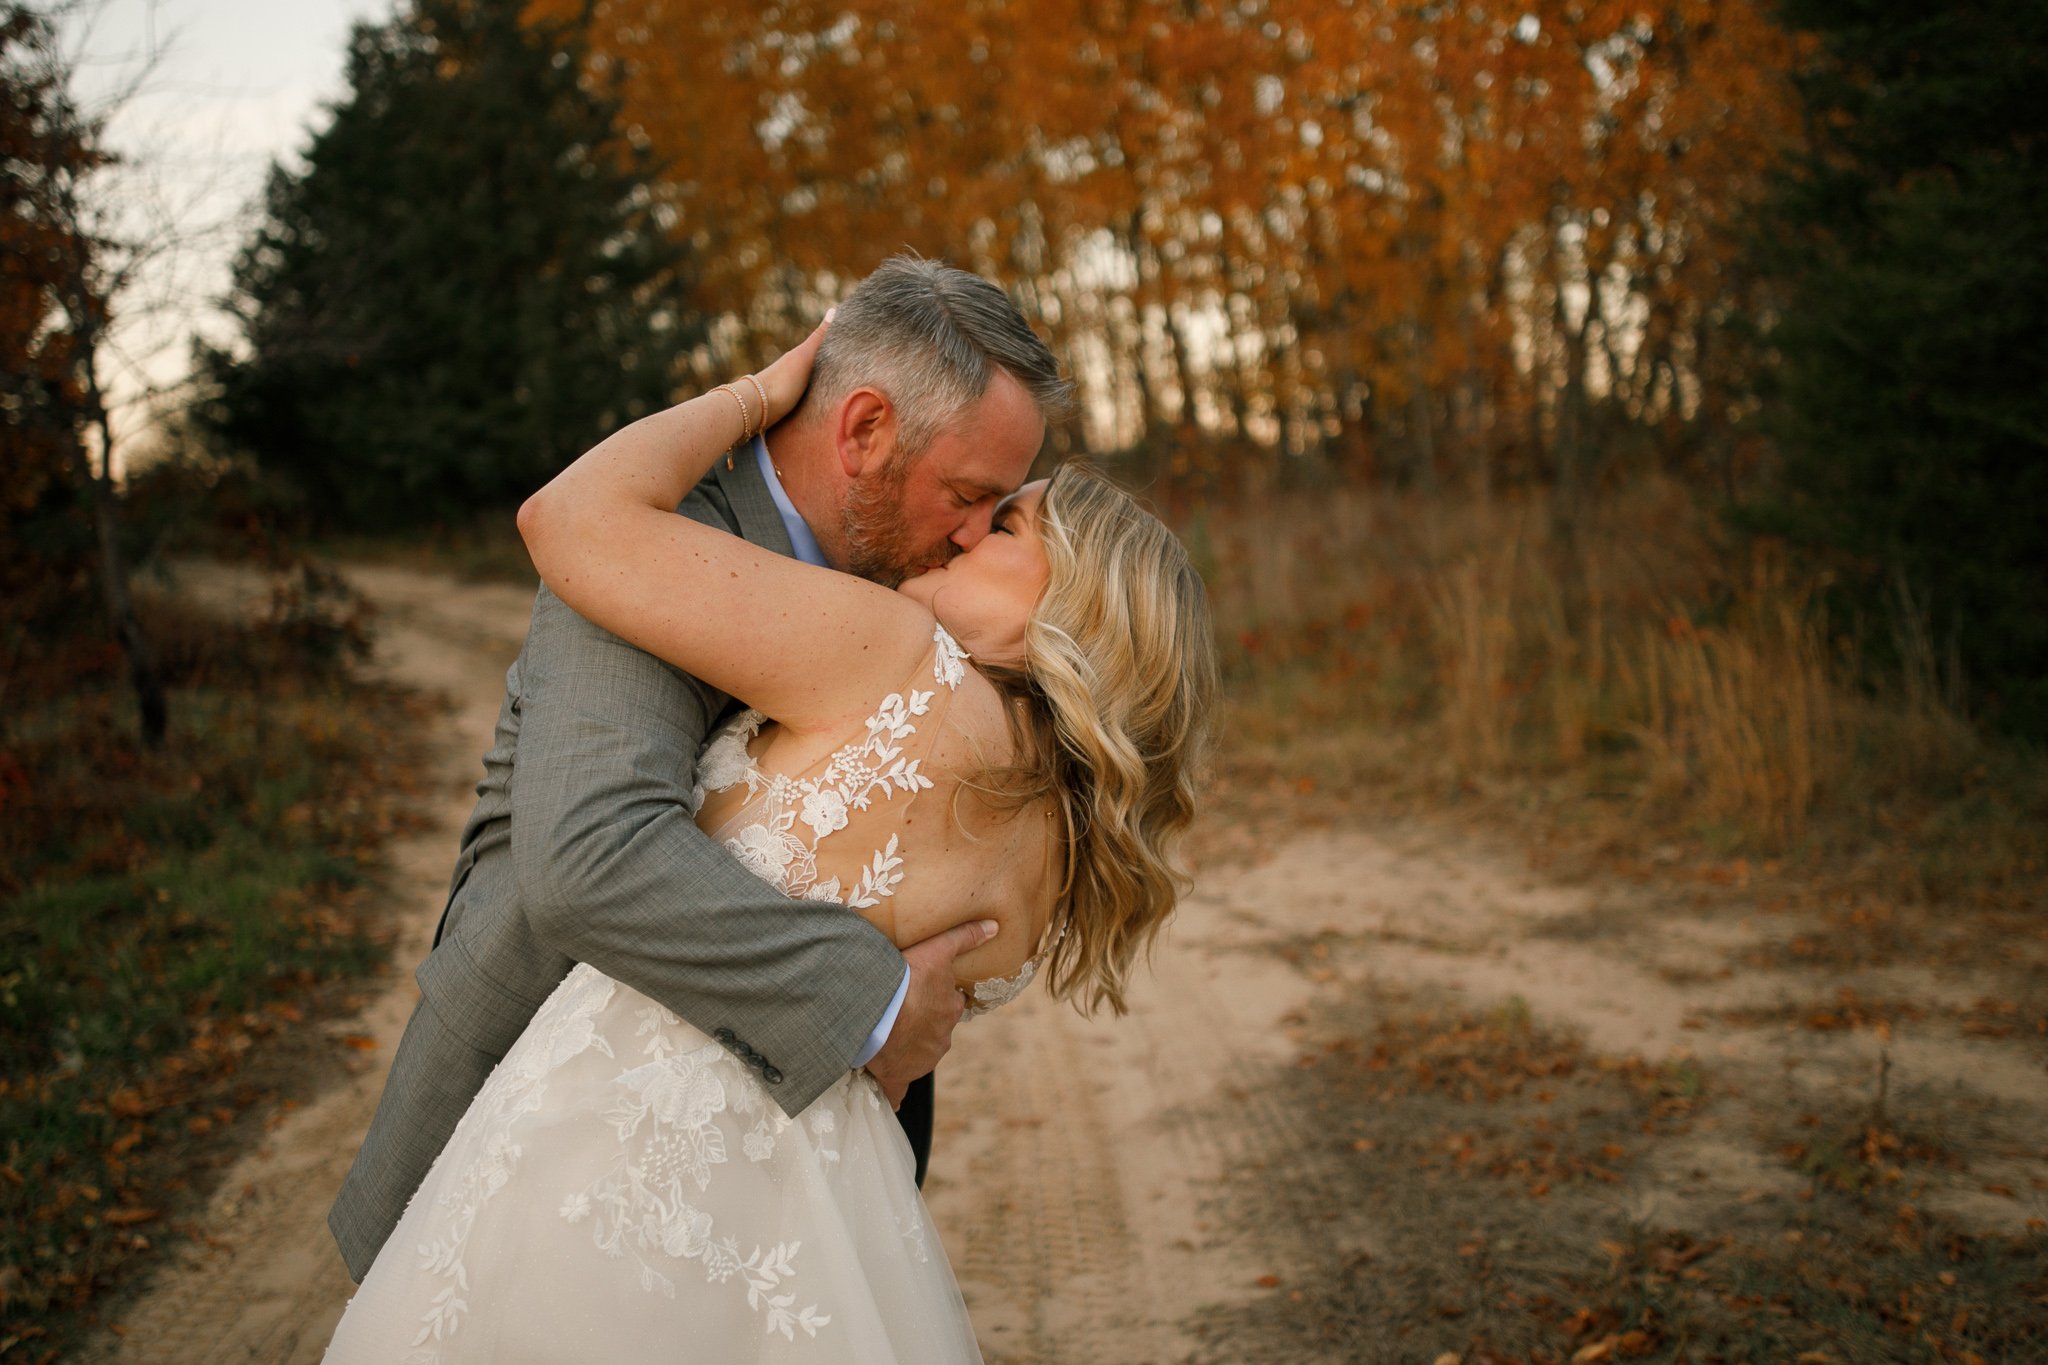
{"points": [[150, 702], [61, 150], [1571, 408], [1177, 350], [114, 595], [1144, 268], [1469, 402], [1421, 431]]}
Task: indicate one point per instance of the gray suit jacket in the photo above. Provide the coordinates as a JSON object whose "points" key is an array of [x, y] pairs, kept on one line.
{"points": [[581, 849]]}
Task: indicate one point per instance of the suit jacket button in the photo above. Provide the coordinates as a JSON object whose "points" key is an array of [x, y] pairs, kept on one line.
{"points": [[771, 1075]]}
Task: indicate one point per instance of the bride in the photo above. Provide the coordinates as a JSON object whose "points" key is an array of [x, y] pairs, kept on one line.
{"points": [[1008, 738]]}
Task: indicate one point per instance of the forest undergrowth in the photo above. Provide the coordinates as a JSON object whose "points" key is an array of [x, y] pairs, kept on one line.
{"points": [[173, 921], [1487, 1198]]}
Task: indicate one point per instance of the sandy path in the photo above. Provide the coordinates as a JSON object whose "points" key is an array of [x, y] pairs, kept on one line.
{"points": [[1079, 1164]]}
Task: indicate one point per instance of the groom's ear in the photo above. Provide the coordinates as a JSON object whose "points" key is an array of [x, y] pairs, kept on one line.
{"points": [[865, 431]]}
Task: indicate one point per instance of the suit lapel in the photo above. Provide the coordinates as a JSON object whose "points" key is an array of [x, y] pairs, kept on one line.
{"points": [[753, 507]]}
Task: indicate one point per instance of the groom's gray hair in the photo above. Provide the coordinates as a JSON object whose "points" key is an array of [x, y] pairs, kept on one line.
{"points": [[930, 337]]}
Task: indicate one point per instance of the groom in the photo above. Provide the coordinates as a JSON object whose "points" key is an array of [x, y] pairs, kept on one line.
{"points": [[581, 847]]}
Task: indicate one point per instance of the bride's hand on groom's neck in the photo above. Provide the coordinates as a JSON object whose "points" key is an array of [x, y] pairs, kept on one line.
{"points": [[784, 381]]}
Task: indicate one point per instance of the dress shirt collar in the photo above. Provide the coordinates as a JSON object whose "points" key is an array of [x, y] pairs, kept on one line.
{"points": [[802, 543]]}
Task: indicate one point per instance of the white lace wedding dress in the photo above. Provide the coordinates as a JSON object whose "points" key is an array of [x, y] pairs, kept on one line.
{"points": [[624, 1189]]}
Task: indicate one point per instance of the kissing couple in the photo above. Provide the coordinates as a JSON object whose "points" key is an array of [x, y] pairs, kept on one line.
{"points": [[825, 735]]}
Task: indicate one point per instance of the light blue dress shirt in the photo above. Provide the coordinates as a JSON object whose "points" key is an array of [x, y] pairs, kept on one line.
{"points": [[806, 546]]}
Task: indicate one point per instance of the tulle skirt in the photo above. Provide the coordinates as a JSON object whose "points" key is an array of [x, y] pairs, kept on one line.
{"points": [[623, 1189]]}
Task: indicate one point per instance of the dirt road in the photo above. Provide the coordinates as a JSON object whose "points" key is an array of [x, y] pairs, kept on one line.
{"points": [[1187, 1183]]}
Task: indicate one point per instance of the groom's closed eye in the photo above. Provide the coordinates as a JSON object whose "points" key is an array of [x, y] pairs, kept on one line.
{"points": [[967, 494]]}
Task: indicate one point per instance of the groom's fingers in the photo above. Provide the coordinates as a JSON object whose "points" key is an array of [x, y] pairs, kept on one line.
{"points": [[931, 1007], [945, 946]]}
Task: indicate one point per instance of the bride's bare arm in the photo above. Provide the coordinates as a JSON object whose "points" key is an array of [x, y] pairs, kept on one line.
{"points": [[806, 645]]}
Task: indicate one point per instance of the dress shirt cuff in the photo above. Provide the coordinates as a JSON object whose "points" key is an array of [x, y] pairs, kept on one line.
{"points": [[887, 1024]]}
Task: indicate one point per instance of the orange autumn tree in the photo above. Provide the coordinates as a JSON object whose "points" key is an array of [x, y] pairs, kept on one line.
{"points": [[1440, 241], [1514, 210]]}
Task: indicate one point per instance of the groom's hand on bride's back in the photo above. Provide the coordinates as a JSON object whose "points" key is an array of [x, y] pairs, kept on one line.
{"points": [[931, 1007]]}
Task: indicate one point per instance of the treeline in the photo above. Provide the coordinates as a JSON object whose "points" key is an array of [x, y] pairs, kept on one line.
{"points": [[1449, 246], [1446, 243], [1786, 252]]}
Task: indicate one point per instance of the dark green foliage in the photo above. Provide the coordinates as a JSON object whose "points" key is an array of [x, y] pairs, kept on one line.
{"points": [[467, 286], [45, 525], [1911, 403]]}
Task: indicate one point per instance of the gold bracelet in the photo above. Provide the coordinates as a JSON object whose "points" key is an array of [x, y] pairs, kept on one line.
{"points": [[764, 399], [746, 419]]}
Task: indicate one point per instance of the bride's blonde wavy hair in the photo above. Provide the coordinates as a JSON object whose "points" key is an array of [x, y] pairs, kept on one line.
{"points": [[1120, 679]]}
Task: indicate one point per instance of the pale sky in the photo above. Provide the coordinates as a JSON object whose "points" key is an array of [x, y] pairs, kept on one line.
{"points": [[241, 75], [235, 85]]}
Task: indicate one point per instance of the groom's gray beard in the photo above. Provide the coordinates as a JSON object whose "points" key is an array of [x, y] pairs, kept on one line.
{"points": [[871, 526]]}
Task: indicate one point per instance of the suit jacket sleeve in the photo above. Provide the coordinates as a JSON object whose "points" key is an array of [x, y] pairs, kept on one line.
{"points": [[613, 871]]}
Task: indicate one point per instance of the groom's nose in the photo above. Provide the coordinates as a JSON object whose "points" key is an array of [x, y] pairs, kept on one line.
{"points": [[980, 517]]}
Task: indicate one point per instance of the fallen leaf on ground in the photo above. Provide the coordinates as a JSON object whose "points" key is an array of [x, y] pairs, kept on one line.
{"points": [[121, 1218]]}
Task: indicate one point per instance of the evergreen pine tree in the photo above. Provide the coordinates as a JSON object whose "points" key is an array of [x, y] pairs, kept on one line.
{"points": [[466, 286], [1911, 401]]}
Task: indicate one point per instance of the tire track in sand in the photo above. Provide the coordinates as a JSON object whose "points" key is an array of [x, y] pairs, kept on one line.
{"points": [[1076, 1159]]}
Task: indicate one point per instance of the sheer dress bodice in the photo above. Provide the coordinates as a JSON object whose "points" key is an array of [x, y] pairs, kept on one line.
{"points": [[879, 824]]}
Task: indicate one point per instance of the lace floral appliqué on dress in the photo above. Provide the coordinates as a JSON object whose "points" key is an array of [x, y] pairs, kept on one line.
{"points": [[773, 847], [788, 816]]}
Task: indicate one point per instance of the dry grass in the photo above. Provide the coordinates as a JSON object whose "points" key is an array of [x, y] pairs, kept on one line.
{"points": [[1639, 671], [1746, 721]]}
